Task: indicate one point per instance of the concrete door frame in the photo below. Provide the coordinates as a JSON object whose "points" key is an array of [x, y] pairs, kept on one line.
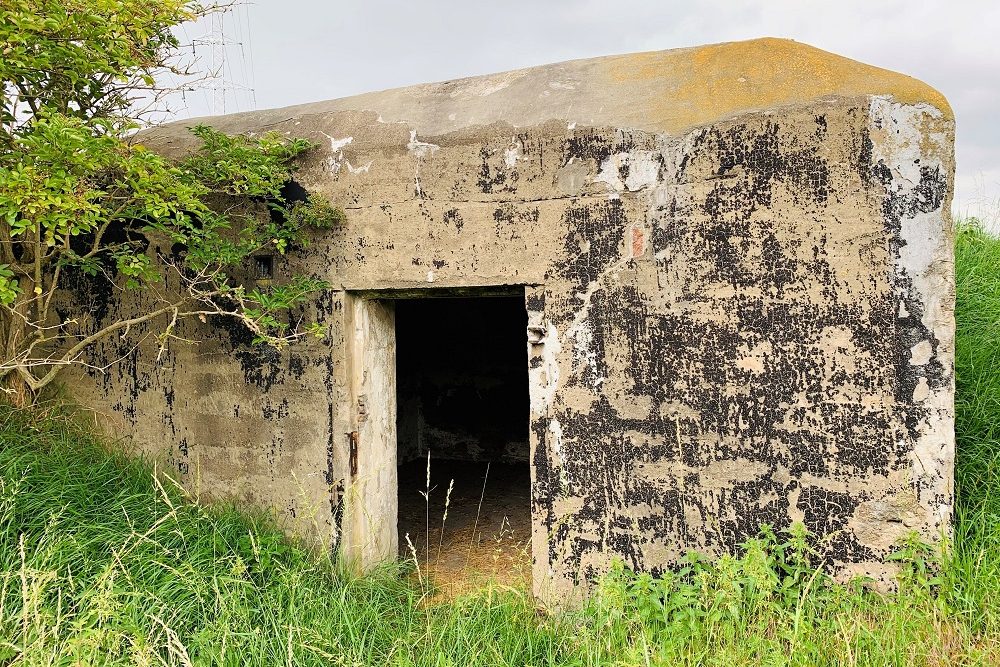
{"points": [[370, 507], [371, 501]]}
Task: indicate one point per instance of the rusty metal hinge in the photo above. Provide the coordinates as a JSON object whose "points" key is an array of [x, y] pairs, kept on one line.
{"points": [[353, 438]]}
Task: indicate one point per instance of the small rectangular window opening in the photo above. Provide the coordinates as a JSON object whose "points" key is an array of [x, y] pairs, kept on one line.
{"points": [[263, 267]]}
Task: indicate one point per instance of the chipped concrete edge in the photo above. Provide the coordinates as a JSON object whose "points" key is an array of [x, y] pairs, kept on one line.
{"points": [[911, 141]]}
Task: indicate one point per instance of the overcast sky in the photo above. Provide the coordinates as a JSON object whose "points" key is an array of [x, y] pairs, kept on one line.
{"points": [[291, 51]]}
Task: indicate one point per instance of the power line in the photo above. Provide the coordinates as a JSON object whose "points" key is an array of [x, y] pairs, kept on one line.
{"points": [[221, 80]]}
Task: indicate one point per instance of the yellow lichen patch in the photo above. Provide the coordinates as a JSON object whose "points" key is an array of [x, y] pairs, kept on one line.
{"points": [[688, 87]]}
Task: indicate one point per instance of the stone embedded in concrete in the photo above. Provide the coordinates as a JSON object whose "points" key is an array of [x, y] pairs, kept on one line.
{"points": [[737, 269]]}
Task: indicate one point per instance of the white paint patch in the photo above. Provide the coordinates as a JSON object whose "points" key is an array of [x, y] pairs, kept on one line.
{"points": [[337, 145], [420, 149], [555, 428], [430, 276], [336, 157], [641, 169], [903, 143], [544, 378], [359, 170], [584, 354], [571, 126], [511, 155], [920, 353]]}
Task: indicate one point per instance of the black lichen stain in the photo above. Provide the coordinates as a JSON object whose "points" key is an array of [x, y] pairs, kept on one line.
{"points": [[591, 144], [495, 175], [261, 364], [291, 193], [270, 411], [535, 302], [865, 152], [751, 369], [95, 293], [593, 242], [826, 512], [296, 365], [453, 218], [757, 160], [544, 489], [510, 218]]}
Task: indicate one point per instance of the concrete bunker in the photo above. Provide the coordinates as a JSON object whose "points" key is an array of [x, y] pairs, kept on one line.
{"points": [[736, 267]]}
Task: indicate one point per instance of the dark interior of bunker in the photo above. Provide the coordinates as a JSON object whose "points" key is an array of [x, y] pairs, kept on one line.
{"points": [[462, 398]]}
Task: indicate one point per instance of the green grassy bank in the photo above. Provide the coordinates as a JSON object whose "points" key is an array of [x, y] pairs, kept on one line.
{"points": [[99, 565]]}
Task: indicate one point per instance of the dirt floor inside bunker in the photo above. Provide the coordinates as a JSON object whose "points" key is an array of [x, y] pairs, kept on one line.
{"points": [[481, 534]]}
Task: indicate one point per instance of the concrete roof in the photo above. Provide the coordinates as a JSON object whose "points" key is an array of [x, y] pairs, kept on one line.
{"points": [[658, 91]]}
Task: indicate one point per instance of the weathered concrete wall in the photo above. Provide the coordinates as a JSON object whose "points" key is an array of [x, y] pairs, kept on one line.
{"points": [[738, 274]]}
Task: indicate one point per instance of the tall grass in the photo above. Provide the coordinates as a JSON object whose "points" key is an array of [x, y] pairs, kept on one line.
{"points": [[101, 565], [975, 562]]}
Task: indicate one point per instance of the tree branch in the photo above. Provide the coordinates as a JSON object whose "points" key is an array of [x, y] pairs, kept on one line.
{"points": [[72, 353]]}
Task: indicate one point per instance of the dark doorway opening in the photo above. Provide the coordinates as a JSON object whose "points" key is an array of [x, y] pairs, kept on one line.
{"points": [[462, 398]]}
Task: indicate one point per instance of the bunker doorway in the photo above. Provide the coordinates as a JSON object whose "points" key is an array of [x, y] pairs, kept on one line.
{"points": [[462, 400]]}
